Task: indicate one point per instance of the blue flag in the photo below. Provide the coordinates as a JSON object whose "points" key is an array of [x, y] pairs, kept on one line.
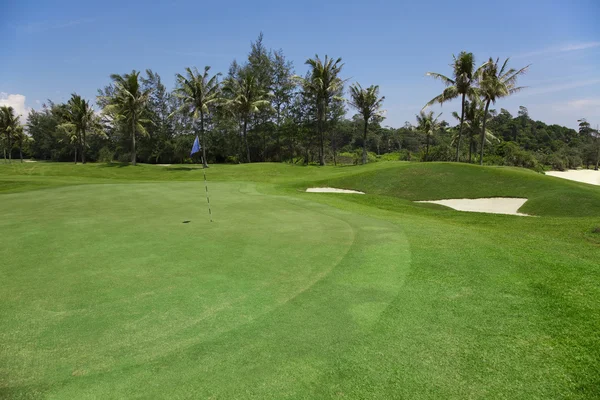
{"points": [[196, 147]]}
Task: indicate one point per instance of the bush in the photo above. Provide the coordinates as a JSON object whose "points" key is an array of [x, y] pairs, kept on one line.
{"points": [[405, 155], [106, 155], [441, 152], [232, 160], [356, 157], [124, 157], [395, 156], [511, 154]]}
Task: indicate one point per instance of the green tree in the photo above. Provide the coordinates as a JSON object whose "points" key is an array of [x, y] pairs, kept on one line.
{"points": [[244, 97], [368, 103], [9, 126], [79, 118], [199, 94], [324, 84], [495, 83], [462, 85], [128, 105], [283, 87], [473, 118], [427, 125]]}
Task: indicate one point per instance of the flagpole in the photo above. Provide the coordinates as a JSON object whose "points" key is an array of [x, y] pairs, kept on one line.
{"points": [[206, 188]]}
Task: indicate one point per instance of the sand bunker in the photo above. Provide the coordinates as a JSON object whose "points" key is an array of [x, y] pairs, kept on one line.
{"points": [[494, 205], [332, 190], [580, 175]]}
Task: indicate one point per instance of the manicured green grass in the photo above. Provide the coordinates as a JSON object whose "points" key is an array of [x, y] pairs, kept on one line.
{"points": [[107, 293]]}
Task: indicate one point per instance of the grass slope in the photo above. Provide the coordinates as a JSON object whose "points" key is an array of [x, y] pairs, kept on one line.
{"points": [[107, 294]]}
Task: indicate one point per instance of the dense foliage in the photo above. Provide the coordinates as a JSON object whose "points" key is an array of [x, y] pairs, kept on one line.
{"points": [[261, 110]]}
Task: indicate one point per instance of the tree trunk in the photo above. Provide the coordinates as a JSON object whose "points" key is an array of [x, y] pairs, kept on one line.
{"points": [[321, 141], [83, 146], [9, 149], [246, 139], [487, 106], [133, 157], [75, 154], [364, 158], [21, 150], [333, 148], [278, 135], [462, 119], [427, 150], [598, 154], [470, 149], [204, 163]]}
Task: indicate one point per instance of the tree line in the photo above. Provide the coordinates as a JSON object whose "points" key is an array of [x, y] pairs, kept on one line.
{"points": [[262, 110]]}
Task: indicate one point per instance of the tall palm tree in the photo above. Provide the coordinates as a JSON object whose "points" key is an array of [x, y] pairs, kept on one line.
{"points": [[461, 85], [325, 84], [79, 119], [495, 83], [473, 118], [20, 138], [245, 97], [128, 105], [368, 103], [427, 125], [198, 93], [9, 125]]}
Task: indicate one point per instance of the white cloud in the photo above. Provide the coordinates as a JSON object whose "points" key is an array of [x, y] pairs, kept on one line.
{"points": [[16, 101], [560, 49], [557, 88]]}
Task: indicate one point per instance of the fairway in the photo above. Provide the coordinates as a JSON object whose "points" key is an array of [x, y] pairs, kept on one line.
{"points": [[116, 285]]}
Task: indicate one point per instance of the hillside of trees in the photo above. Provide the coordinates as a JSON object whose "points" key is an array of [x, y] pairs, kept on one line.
{"points": [[264, 109]]}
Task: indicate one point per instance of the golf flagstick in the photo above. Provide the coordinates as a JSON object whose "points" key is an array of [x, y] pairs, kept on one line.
{"points": [[196, 148], [206, 187]]}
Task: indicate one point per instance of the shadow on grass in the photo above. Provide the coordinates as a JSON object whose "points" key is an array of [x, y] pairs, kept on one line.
{"points": [[114, 165]]}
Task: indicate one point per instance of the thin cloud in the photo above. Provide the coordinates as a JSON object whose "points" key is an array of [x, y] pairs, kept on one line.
{"points": [[37, 27], [557, 88], [559, 49]]}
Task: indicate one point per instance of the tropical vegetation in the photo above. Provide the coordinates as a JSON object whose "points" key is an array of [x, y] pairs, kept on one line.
{"points": [[261, 109]]}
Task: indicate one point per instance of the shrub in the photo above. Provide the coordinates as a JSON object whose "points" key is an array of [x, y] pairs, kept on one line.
{"points": [[124, 157], [106, 155], [405, 155], [395, 156]]}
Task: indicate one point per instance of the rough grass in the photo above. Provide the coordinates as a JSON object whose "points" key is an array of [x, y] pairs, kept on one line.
{"points": [[107, 294]]}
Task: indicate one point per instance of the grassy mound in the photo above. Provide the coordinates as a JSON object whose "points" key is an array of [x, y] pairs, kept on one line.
{"points": [[547, 196]]}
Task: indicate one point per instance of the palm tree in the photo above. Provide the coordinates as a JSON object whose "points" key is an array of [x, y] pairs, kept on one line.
{"points": [[473, 117], [79, 119], [128, 105], [9, 126], [368, 103], [427, 125], [495, 83], [198, 93], [20, 138], [325, 84], [463, 85], [245, 98]]}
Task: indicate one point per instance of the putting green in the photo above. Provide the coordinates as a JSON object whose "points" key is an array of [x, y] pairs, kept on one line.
{"points": [[116, 297]]}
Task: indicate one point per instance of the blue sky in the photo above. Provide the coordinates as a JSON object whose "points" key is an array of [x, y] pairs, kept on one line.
{"points": [[53, 48]]}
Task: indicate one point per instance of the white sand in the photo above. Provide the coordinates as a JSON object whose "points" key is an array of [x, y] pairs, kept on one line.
{"points": [[580, 175], [332, 190], [494, 205], [164, 165]]}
